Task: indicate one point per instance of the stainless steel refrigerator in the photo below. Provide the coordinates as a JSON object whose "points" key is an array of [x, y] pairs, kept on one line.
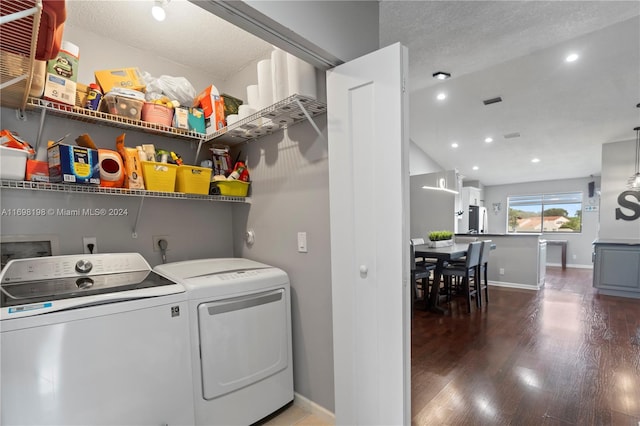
{"points": [[477, 220]]}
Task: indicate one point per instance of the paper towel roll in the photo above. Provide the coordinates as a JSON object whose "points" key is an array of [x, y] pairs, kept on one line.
{"points": [[232, 118], [265, 85], [301, 77], [279, 74], [245, 111], [253, 96]]}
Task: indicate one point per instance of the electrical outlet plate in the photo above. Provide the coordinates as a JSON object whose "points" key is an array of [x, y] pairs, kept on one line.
{"points": [[85, 244], [157, 238]]}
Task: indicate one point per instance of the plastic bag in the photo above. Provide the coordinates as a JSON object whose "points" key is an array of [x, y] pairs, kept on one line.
{"points": [[175, 88]]}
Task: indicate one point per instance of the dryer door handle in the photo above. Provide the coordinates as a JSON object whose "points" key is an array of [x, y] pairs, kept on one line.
{"points": [[244, 302]]}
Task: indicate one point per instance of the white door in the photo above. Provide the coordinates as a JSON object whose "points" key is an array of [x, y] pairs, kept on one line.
{"points": [[369, 190]]}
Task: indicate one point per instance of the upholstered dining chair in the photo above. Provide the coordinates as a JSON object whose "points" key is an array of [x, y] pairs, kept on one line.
{"points": [[483, 267], [468, 272], [420, 276]]}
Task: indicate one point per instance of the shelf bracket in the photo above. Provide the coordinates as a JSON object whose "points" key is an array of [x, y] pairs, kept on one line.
{"points": [[20, 115], [313, 123], [134, 233], [43, 115], [198, 152]]}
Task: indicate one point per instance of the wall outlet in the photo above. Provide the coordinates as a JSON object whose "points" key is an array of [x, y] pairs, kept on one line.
{"points": [[501, 271], [575, 257], [85, 245], [157, 238]]}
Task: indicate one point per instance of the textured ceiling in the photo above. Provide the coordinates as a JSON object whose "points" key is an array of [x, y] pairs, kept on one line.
{"points": [[514, 49], [564, 112]]}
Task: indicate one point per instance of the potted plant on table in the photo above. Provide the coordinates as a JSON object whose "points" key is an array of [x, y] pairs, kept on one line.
{"points": [[440, 238]]}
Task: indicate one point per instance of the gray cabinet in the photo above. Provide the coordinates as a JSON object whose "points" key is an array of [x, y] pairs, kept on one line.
{"points": [[617, 268]]}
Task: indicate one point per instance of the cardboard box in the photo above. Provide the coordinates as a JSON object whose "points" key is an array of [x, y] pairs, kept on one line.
{"points": [[73, 164], [126, 78], [181, 118], [196, 120], [62, 75], [82, 91], [212, 106]]}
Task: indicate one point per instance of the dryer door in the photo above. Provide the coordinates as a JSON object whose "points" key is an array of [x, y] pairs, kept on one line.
{"points": [[242, 340]]}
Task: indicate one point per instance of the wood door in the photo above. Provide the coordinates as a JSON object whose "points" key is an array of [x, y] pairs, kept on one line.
{"points": [[369, 191]]}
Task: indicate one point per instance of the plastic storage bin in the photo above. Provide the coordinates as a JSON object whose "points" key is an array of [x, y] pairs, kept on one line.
{"points": [[13, 162], [236, 188], [123, 106], [159, 176], [193, 180], [158, 114]]}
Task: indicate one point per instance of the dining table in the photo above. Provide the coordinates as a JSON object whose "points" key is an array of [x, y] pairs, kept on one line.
{"points": [[442, 255]]}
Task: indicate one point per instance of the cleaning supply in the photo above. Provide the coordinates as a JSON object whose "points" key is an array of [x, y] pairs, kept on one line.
{"points": [[132, 166]]}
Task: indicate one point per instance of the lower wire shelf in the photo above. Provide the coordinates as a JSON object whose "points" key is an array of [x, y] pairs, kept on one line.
{"points": [[89, 189]]}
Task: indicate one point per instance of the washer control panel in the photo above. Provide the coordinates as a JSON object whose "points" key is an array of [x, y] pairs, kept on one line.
{"points": [[43, 268]]}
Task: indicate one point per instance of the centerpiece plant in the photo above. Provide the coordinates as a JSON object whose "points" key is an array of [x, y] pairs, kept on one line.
{"points": [[440, 238]]}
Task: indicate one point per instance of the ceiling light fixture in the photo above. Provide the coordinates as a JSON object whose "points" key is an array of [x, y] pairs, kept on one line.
{"points": [[441, 96], [535, 160], [440, 75], [634, 180], [475, 167], [572, 57], [488, 140], [157, 10], [454, 145]]}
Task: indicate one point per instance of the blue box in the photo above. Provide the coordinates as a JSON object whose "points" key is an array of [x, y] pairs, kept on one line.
{"points": [[196, 120], [73, 164]]}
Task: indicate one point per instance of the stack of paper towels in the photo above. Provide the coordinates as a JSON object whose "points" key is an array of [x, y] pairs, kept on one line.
{"points": [[280, 77]]}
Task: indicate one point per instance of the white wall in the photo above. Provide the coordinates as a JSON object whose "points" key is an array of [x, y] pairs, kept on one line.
{"points": [[579, 245], [617, 167], [431, 210], [419, 162]]}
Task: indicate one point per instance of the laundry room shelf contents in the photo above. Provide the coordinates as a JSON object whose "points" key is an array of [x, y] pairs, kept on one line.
{"points": [[88, 189]]}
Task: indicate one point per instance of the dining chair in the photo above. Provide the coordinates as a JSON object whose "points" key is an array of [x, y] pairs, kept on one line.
{"points": [[420, 277], [468, 272], [483, 268]]}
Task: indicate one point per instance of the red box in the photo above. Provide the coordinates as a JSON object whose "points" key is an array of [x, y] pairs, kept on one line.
{"points": [[37, 171]]}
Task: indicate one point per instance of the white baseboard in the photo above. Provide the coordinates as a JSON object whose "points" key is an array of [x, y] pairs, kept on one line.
{"points": [[572, 265], [513, 285], [308, 405]]}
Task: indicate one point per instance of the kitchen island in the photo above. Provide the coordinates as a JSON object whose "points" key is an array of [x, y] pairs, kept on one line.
{"points": [[616, 270], [519, 260]]}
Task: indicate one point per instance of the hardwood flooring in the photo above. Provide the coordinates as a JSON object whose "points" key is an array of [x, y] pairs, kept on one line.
{"points": [[563, 355]]}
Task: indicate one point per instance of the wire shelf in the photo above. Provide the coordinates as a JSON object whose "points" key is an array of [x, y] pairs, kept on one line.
{"points": [[89, 189], [97, 117]]}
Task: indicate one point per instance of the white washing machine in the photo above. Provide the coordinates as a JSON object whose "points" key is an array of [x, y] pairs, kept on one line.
{"points": [[93, 340], [240, 320]]}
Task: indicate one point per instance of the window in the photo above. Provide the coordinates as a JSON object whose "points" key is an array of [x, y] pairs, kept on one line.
{"points": [[545, 213]]}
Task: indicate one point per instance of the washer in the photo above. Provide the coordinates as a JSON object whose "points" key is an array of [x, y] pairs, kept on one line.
{"points": [[93, 339], [240, 321]]}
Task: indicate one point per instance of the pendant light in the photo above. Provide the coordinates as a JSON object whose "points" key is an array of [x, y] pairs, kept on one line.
{"points": [[634, 180]]}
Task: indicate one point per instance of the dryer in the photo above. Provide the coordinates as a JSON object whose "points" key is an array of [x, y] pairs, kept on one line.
{"points": [[240, 328]]}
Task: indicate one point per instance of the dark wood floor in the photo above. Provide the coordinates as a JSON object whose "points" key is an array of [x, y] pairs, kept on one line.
{"points": [[563, 355]]}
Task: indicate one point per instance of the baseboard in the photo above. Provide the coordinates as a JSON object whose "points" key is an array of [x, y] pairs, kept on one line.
{"points": [[571, 265], [513, 285], [308, 405]]}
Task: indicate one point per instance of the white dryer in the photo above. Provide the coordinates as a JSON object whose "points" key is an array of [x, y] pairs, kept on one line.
{"points": [[240, 322]]}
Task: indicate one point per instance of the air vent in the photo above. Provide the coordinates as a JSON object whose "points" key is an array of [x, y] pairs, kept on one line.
{"points": [[512, 135], [492, 101]]}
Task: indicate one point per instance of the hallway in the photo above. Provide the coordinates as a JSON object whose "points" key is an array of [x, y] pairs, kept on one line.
{"points": [[559, 356]]}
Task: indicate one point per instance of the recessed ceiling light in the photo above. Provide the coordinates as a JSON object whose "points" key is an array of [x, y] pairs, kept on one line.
{"points": [[535, 160], [475, 167], [441, 96], [488, 140], [454, 145], [441, 75], [572, 57]]}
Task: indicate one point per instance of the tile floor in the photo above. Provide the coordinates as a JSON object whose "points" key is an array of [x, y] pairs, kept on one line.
{"points": [[295, 415]]}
